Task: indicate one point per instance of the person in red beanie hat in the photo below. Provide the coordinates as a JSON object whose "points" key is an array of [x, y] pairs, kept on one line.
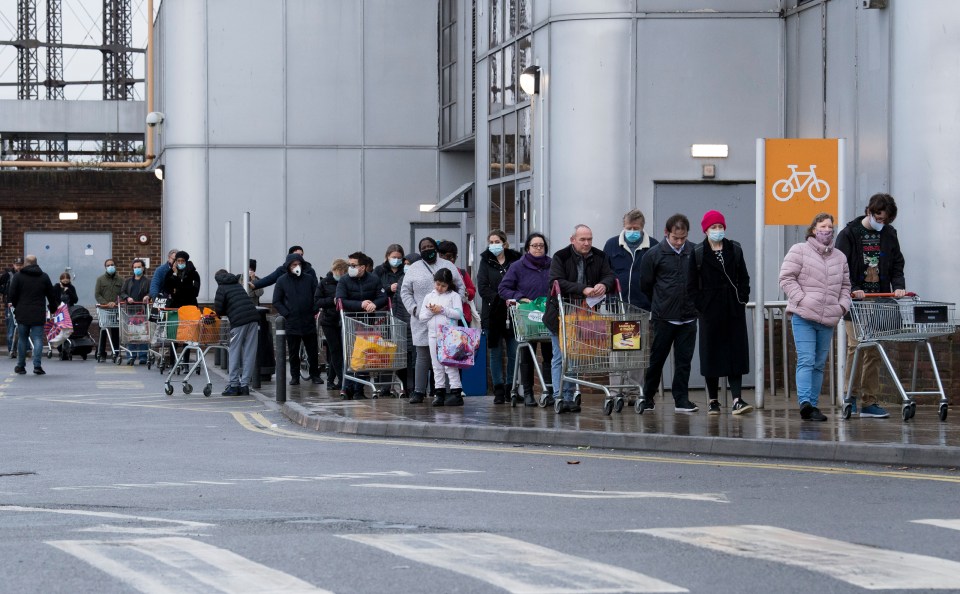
{"points": [[720, 288]]}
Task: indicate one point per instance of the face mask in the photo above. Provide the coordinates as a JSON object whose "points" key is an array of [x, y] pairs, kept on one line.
{"points": [[337, 277], [111, 269], [825, 237], [396, 262], [296, 270], [353, 272], [429, 255], [181, 266], [65, 283], [137, 271], [632, 235], [495, 248], [878, 227], [716, 236]]}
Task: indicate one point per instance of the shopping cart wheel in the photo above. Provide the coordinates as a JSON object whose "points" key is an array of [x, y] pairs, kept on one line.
{"points": [[846, 412], [84, 357], [168, 389], [608, 406], [118, 360], [576, 398], [905, 411], [618, 404], [913, 409], [149, 363], [207, 390], [943, 412], [187, 388], [559, 406], [50, 354]]}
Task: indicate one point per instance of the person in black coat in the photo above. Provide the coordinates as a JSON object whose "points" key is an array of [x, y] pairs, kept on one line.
{"points": [[325, 300], [391, 273], [136, 290], [494, 318], [233, 302], [274, 276], [582, 271], [359, 291], [31, 294], [293, 299], [719, 285], [66, 290], [182, 282]]}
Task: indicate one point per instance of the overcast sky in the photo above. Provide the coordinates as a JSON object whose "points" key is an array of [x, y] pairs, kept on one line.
{"points": [[82, 24]]}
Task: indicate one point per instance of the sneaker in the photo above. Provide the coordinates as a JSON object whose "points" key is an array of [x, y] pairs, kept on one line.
{"points": [[19, 370], [740, 407], [572, 406], [714, 408], [231, 391], [809, 412], [244, 390], [295, 381], [332, 385], [39, 371], [874, 411], [317, 380], [685, 406], [647, 404]]}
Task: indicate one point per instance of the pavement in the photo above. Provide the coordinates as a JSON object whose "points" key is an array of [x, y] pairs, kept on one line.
{"points": [[776, 431]]}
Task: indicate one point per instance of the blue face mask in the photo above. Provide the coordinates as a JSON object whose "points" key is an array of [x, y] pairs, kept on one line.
{"points": [[111, 269], [336, 277], [716, 236], [181, 266], [495, 248], [396, 262], [632, 235], [137, 271]]}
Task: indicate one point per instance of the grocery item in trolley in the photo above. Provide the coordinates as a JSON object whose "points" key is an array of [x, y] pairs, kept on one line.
{"points": [[528, 320], [133, 324], [372, 351], [457, 346]]}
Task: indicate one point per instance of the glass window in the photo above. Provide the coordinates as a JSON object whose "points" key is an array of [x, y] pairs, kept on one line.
{"points": [[524, 16], [496, 83], [510, 214], [510, 144], [496, 212], [511, 17], [524, 59], [524, 140], [496, 28], [496, 147], [509, 76]]}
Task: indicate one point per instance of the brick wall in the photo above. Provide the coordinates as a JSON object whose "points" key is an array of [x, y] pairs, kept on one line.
{"points": [[124, 203]]}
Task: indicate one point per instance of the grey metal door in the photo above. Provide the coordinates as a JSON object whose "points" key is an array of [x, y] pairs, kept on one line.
{"points": [[737, 202], [81, 254]]}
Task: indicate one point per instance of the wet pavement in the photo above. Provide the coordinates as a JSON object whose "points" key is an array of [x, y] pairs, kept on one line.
{"points": [[775, 431]]}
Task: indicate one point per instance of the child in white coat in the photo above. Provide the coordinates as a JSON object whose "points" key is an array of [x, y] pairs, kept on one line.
{"points": [[439, 307]]}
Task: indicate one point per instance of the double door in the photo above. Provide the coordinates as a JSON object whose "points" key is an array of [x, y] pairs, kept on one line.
{"points": [[80, 254]]}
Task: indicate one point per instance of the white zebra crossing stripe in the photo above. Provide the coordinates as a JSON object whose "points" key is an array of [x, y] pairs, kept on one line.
{"points": [[711, 497], [868, 567], [181, 566], [951, 524], [513, 565]]}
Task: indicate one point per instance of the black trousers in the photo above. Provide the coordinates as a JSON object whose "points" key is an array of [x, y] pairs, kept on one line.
{"points": [[334, 353], [682, 338], [114, 336], [313, 352]]}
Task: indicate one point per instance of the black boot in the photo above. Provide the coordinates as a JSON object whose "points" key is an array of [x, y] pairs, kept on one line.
{"points": [[454, 397], [548, 399], [439, 395], [528, 399], [417, 397], [498, 394]]}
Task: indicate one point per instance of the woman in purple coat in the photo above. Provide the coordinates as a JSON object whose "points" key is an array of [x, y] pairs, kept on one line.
{"points": [[526, 280]]}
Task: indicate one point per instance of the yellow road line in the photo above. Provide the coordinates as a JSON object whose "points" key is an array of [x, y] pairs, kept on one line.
{"points": [[277, 432]]}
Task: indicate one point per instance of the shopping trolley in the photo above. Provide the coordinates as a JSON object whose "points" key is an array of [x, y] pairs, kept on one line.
{"points": [[134, 331], [528, 329], [910, 319], [200, 336], [108, 318], [610, 337], [163, 333], [374, 344]]}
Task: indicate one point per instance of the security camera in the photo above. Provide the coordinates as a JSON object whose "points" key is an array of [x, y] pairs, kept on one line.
{"points": [[154, 118]]}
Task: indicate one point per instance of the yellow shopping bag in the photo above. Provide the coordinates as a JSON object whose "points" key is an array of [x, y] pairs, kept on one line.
{"points": [[372, 352]]}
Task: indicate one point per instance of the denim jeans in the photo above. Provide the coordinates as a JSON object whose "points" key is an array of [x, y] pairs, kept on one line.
{"points": [[11, 328], [812, 341], [556, 370], [496, 359], [35, 333]]}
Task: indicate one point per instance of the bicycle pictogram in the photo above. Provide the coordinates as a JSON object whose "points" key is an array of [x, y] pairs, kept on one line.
{"points": [[817, 189]]}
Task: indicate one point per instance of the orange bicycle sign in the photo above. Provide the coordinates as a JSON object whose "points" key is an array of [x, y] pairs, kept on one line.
{"points": [[801, 180]]}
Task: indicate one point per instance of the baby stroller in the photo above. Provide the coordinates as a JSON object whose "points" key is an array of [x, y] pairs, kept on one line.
{"points": [[80, 343]]}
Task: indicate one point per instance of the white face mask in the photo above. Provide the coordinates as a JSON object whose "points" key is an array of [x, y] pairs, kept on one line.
{"points": [[878, 227], [353, 272], [296, 270]]}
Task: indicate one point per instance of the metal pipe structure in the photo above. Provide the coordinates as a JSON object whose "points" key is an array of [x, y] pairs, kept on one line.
{"points": [[245, 264], [227, 232], [758, 336]]}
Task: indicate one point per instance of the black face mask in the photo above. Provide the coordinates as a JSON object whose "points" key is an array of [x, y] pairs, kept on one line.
{"points": [[429, 255]]}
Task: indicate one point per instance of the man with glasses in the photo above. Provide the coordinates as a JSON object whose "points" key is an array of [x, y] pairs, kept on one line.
{"points": [[359, 291], [875, 261], [664, 271]]}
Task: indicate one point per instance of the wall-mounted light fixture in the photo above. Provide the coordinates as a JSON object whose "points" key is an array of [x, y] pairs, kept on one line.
{"points": [[159, 171], [427, 207], [69, 216], [713, 151], [530, 80]]}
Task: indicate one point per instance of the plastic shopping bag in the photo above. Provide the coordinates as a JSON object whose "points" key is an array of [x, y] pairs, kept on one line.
{"points": [[371, 351], [209, 327], [188, 323], [59, 327], [457, 346]]}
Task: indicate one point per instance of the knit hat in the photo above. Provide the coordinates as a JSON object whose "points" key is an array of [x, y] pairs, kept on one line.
{"points": [[183, 255], [711, 218]]}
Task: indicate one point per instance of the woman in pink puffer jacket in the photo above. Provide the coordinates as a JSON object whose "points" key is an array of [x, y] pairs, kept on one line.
{"points": [[816, 280]]}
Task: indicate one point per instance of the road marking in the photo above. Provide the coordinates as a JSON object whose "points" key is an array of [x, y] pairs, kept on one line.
{"points": [[176, 565], [864, 566], [98, 514], [513, 565], [454, 471], [120, 385], [259, 424], [233, 481], [951, 524], [711, 497]]}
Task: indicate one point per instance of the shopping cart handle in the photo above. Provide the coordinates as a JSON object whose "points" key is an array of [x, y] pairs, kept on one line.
{"points": [[339, 303], [878, 295]]}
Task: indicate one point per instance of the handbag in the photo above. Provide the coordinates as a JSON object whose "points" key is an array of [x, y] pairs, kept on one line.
{"points": [[474, 315], [457, 346], [59, 327]]}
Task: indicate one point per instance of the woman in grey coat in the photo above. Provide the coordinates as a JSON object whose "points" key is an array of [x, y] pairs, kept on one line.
{"points": [[417, 282]]}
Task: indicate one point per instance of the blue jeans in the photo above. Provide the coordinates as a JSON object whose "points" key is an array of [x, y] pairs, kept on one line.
{"points": [[35, 334], [812, 341], [556, 371], [496, 359]]}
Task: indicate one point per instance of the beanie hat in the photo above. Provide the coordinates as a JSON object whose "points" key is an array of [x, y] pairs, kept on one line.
{"points": [[711, 218], [183, 255]]}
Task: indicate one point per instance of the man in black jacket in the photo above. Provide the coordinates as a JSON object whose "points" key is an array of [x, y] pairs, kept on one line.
{"points": [[30, 293], [232, 301], [663, 278], [359, 291], [293, 299], [274, 276], [582, 271], [875, 261]]}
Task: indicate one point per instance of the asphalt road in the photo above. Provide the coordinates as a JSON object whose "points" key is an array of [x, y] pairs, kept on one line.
{"points": [[107, 485]]}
